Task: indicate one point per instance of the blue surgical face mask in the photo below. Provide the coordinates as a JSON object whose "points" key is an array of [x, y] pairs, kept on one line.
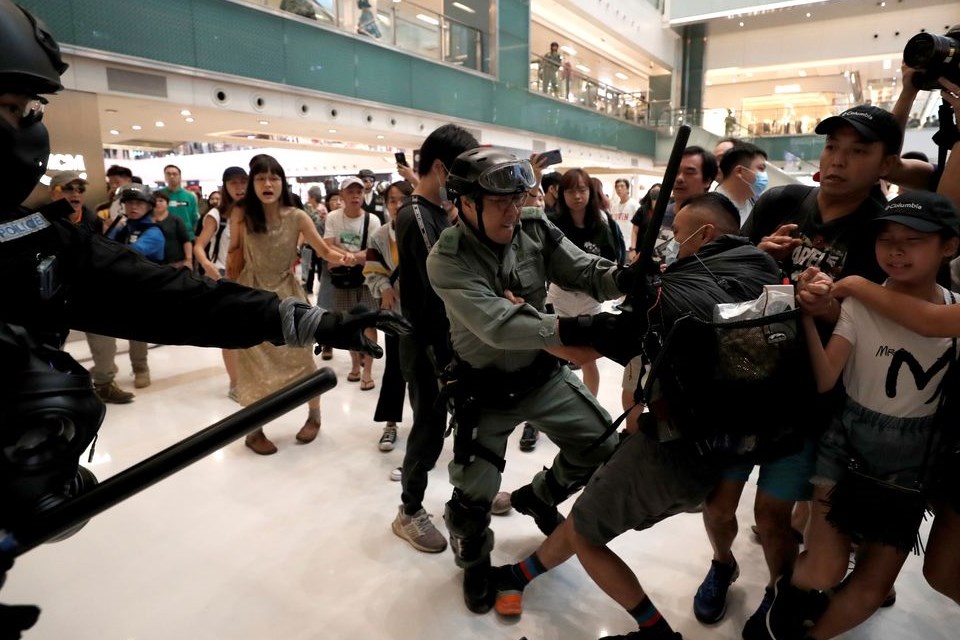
{"points": [[760, 182]]}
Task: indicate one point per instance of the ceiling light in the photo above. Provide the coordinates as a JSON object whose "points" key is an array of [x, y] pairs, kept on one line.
{"points": [[188, 119], [422, 17], [463, 7], [568, 50], [887, 65], [114, 132], [264, 122], [380, 137], [622, 75], [802, 73], [808, 14], [583, 67], [741, 24], [185, 112], [158, 123], [787, 88], [136, 127], [331, 130]]}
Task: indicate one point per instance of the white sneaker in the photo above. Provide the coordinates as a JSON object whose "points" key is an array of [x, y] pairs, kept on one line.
{"points": [[396, 474], [419, 531], [389, 438]]}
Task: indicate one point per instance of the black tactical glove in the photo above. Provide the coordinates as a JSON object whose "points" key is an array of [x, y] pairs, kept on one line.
{"points": [[617, 336], [305, 325], [626, 278], [346, 331], [16, 618]]}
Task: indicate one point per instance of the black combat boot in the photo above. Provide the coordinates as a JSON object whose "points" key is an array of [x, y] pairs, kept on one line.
{"points": [[479, 587]]}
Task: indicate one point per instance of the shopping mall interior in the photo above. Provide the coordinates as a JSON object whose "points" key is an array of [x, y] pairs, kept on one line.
{"points": [[298, 545]]}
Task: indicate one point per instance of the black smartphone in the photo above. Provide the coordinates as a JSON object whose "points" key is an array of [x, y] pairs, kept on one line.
{"points": [[401, 158], [552, 157]]}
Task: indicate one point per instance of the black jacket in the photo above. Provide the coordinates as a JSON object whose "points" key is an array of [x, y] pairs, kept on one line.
{"points": [[93, 284]]}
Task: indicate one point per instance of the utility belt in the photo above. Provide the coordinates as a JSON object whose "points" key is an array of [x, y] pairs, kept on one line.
{"points": [[468, 391]]}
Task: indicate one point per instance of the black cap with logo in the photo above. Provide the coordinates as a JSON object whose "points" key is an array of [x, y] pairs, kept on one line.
{"points": [[923, 211], [872, 123]]}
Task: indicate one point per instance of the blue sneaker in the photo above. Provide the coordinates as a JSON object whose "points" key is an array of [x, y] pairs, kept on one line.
{"points": [[756, 625], [710, 603]]}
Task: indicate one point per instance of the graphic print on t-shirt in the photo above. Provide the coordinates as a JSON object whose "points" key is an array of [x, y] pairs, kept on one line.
{"points": [[919, 376], [350, 239], [817, 252]]}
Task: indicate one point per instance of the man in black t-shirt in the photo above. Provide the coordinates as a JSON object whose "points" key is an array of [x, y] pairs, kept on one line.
{"points": [[425, 352], [829, 227]]}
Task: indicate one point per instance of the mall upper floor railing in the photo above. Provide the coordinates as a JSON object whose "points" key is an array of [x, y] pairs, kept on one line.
{"points": [[404, 25], [563, 82]]}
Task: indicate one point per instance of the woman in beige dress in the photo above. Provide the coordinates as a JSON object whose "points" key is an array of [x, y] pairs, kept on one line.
{"points": [[263, 238]]}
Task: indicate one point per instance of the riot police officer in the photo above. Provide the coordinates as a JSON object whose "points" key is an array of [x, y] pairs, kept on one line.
{"points": [[490, 271], [58, 276]]}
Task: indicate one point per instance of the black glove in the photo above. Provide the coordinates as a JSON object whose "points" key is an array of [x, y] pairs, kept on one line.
{"points": [[346, 331], [618, 336], [16, 618], [626, 278]]}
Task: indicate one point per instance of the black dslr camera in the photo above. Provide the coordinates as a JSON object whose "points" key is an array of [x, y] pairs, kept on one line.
{"points": [[934, 57]]}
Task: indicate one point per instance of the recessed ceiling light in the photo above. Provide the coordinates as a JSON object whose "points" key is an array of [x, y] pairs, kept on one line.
{"points": [[422, 17], [380, 137], [331, 130], [741, 24], [622, 76], [802, 73], [185, 112], [158, 123], [568, 50], [464, 7], [264, 122], [808, 14], [136, 127], [188, 119], [114, 132], [583, 67]]}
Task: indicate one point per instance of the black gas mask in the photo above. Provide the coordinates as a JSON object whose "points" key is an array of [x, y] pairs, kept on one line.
{"points": [[49, 414], [23, 157]]}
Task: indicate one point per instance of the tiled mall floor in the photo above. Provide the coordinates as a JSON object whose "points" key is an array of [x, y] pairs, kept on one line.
{"points": [[298, 545]]}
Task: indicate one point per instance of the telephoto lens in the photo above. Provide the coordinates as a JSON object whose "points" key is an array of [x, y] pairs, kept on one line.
{"points": [[933, 57]]}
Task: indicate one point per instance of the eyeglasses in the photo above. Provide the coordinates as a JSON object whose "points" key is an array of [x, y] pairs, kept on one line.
{"points": [[74, 188], [506, 203]]}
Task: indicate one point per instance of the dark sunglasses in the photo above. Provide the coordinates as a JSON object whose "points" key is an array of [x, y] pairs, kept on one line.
{"points": [[74, 188]]}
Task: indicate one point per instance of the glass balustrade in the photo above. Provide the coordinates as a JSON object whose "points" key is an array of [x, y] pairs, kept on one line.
{"points": [[404, 25], [562, 82]]}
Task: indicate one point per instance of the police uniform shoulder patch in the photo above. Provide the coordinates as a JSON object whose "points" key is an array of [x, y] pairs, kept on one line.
{"points": [[15, 229], [449, 241]]}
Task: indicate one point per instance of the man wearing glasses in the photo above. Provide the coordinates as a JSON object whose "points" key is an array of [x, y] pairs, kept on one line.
{"points": [[490, 272], [69, 186]]}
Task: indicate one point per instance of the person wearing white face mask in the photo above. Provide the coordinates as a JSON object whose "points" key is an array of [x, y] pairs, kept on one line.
{"points": [[744, 171]]}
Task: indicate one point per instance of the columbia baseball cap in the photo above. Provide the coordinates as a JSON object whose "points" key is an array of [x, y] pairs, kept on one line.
{"points": [[872, 123], [923, 211]]}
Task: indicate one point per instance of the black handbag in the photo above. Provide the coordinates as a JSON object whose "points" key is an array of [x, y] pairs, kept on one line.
{"points": [[351, 277]]}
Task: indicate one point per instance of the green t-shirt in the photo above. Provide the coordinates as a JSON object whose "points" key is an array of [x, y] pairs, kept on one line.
{"points": [[183, 204]]}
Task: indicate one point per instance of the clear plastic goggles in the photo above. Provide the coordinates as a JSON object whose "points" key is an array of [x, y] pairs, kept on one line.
{"points": [[509, 177]]}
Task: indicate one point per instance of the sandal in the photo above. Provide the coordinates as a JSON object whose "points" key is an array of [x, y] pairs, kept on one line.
{"points": [[353, 376], [367, 385]]}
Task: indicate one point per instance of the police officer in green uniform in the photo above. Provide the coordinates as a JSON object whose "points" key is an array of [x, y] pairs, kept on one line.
{"points": [[490, 270]]}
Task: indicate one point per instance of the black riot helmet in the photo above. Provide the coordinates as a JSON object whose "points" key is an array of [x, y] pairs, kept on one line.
{"points": [[135, 191], [488, 171], [30, 65]]}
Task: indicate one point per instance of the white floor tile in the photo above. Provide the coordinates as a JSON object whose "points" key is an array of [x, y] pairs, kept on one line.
{"points": [[298, 545]]}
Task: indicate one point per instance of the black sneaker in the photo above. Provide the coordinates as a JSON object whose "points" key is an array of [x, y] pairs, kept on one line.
{"points": [[786, 614], [479, 587], [529, 437], [545, 515]]}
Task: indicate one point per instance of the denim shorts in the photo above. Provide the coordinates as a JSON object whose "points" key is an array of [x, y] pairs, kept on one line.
{"points": [[898, 450], [787, 478]]}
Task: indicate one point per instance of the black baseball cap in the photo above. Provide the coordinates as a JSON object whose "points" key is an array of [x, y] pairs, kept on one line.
{"points": [[872, 123], [923, 211], [234, 172]]}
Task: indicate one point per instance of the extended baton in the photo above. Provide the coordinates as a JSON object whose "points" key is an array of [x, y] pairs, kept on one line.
{"points": [[49, 524]]}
